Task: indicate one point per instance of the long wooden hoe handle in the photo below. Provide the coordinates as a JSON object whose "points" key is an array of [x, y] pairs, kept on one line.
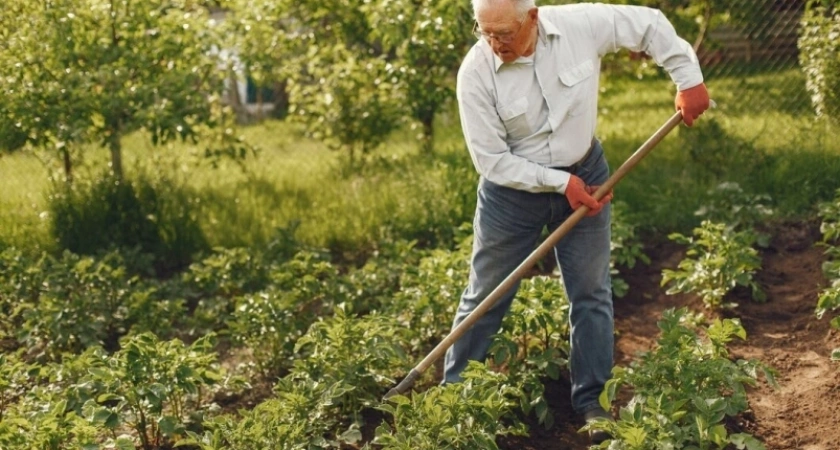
{"points": [[529, 262]]}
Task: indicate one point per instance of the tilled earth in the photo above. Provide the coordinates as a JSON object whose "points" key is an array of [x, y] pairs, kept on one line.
{"points": [[804, 412]]}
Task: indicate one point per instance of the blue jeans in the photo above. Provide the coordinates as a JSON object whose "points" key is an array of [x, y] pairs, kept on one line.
{"points": [[507, 226]]}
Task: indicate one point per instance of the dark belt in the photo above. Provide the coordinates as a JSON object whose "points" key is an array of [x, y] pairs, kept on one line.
{"points": [[574, 167]]}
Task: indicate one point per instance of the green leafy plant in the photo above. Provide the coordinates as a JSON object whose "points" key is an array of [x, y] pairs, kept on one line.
{"points": [[81, 301], [45, 408], [683, 389], [429, 295], [728, 203], [156, 388], [534, 342], [718, 259], [47, 425], [302, 416], [270, 322], [829, 298], [15, 379], [363, 353], [625, 247], [819, 55], [829, 213], [466, 415]]}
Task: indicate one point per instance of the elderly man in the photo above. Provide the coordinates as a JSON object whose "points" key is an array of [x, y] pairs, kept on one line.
{"points": [[528, 93]]}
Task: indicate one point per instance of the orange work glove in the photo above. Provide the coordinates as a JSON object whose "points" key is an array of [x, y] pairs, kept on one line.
{"points": [[580, 194], [692, 102]]}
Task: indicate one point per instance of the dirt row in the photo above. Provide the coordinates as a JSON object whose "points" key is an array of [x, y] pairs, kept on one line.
{"points": [[804, 413]]}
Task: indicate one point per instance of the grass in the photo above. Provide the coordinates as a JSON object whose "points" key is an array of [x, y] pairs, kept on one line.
{"points": [[23, 223], [298, 188]]}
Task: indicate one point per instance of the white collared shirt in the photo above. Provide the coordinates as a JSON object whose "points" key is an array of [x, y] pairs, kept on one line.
{"points": [[521, 118]]}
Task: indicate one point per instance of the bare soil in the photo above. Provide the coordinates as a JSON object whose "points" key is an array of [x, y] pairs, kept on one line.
{"points": [[804, 412]]}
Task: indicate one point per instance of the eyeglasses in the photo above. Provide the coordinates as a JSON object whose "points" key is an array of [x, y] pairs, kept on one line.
{"points": [[505, 38]]}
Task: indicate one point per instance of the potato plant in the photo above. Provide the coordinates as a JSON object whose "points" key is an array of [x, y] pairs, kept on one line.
{"points": [[465, 415], [718, 259], [683, 389], [625, 247], [534, 342], [301, 416], [364, 354], [430, 294], [73, 302], [728, 203], [270, 322], [157, 389], [829, 298]]}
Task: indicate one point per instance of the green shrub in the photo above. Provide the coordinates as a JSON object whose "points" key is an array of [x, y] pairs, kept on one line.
{"points": [[625, 247], [467, 415], [683, 389], [430, 293], [74, 302], [92, 215], [301, 417], [50, 427], [269, 322], [534, 342], [728, 203], [718, 259], [829, 298], [819, 55], [365, 354], [159, 389]]}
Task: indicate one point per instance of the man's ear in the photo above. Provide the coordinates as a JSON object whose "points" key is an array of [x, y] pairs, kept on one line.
{"points": [[534, 13]]}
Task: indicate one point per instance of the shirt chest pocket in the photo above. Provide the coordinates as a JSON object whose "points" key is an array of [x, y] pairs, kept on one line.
{"points": [[573, 85], [514, 117]]}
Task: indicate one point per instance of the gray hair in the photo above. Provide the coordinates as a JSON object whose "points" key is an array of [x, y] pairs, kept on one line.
{"points": [[522, 6]]}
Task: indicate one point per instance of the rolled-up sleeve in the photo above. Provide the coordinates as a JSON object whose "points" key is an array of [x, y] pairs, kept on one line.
{"points": [[485, 136], [644, 29]]}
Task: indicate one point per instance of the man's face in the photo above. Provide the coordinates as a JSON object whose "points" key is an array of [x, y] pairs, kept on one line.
{"points": [[508, 35]]}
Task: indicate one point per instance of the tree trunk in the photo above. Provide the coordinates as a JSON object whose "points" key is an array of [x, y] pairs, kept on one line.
{"points": [[68, 165], [116, 153], [234, 100], [428, 139], [704, 26]]}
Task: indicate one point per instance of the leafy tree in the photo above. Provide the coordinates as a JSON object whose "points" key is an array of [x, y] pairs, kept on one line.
{"points": [[338, 80], [694, 18], [428, 39], [79, 71]]}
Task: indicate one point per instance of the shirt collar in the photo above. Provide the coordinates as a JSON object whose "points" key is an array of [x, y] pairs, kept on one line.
{"points": [[546, 29]]}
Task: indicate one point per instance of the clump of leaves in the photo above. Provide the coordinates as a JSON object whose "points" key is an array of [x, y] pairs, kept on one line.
{"points": [[157, 388], [15, 380], [818, 54], [74, 302], [829, 298], [728, 203], [430, 294], [625, 247], [683, 389], [270, 322], [301, 416], [830, 215], [363, 354], [718, 259], [465, 415], [534, 342]]}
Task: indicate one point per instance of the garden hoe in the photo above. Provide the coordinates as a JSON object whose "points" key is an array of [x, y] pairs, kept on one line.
{"points": [[532, 259]]}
